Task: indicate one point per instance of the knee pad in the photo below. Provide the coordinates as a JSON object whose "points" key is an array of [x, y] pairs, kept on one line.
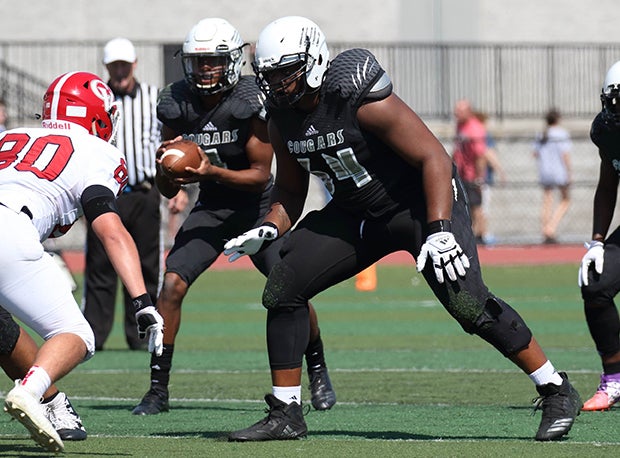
{"points": [[501, 326], [288, 333], [277, 287], [9, 333]]}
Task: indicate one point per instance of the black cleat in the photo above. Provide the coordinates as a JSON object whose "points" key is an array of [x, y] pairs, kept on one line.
{"points": [[560, 406], [283, 422], [323, 394], [154, 402]]}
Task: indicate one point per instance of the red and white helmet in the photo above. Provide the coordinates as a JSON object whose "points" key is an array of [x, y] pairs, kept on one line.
{"points": [[84, 99]]}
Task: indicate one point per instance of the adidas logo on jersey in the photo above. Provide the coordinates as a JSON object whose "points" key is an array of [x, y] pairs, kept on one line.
{"points": [[209, 127], [311, 131]]}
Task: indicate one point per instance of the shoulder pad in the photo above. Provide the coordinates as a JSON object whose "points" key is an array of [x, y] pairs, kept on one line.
{"points": [[354, 73], [170, 100], [246, 99]]}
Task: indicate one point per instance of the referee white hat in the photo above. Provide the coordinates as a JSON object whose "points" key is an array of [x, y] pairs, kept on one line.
{"points": [[119, 49]]}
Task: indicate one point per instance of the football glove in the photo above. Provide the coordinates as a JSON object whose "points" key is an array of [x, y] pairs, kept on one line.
{"points": [[250, 242], [595, 254], [446, 255], [149, 323]]}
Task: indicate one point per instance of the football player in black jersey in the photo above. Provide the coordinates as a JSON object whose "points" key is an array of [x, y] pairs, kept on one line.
{"points": [[394, 187], [223, 113], [600, 266]]}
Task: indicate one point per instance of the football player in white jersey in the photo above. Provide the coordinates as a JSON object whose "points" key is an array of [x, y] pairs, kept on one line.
{"points": [[49, 177]]}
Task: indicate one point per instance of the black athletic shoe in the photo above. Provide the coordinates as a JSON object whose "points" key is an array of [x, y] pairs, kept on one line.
{"points": [[283, 422], [153, 402], [560, 406], [323, 394]]}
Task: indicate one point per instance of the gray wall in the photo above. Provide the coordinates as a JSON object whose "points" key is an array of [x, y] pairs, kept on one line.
{"points": [[341, 20]]}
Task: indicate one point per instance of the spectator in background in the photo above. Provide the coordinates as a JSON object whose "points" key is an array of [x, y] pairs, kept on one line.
{"points": [[3, 115], [139, 205], [494, 172], [470, 158], [552, 152]]}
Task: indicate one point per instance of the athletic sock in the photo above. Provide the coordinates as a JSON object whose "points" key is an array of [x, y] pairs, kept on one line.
{"points": [[288, 394], [37, 381], [546, 374], [160, 368]]}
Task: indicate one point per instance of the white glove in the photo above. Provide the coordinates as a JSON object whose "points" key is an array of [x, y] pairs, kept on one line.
{"points": [[250, 242], [446, 254], [149, 322], [594, 254]]}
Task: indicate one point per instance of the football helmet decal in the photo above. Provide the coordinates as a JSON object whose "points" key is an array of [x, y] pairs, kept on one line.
{"points": [[610, 94], [84, 99], [212, 56], [290, 49]]}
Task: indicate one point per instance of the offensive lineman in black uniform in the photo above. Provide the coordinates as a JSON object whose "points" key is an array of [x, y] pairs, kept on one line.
{"points": [[223, 113], [394, 187], [599, 286]]}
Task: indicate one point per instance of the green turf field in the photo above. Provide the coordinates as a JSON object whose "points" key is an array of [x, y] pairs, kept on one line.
{"points": [[409, 381]]}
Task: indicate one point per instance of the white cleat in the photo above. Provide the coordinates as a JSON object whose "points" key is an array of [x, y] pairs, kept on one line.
{"points": [[23, 406]]}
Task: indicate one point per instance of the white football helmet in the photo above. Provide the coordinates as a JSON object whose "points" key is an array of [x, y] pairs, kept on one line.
{"points": [[212, 56], [610, 94], [295, 43]]}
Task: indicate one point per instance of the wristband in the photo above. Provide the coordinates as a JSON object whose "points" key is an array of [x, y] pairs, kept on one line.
{"points": [[142, 301], [441, 225], [273, 226]]}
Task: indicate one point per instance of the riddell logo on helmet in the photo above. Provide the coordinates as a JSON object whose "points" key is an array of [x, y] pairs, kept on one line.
{"points": [[56, 124]]}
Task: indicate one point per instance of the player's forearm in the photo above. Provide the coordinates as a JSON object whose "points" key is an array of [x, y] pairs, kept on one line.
{"points": [[250, 180], [123, 254], [127, 265]]}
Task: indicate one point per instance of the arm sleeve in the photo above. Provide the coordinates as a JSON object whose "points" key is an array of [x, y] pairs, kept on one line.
{"points": [[97, 200]]}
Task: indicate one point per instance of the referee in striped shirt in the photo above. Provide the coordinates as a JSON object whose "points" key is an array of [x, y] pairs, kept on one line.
{"points": [[138, 136]]}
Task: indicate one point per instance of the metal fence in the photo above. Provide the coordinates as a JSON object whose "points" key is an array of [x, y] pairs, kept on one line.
{"points": [[507, 82]]}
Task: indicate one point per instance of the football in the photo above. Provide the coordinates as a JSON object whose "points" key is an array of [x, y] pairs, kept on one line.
{"points": [[179, 155]]}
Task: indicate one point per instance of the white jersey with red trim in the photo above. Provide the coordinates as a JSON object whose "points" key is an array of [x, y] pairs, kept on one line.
{"points": [[44, 171]]}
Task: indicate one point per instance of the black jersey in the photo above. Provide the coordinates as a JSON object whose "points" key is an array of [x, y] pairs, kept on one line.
{"points": [[361, 172], [221, 132], [605, 134]]}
